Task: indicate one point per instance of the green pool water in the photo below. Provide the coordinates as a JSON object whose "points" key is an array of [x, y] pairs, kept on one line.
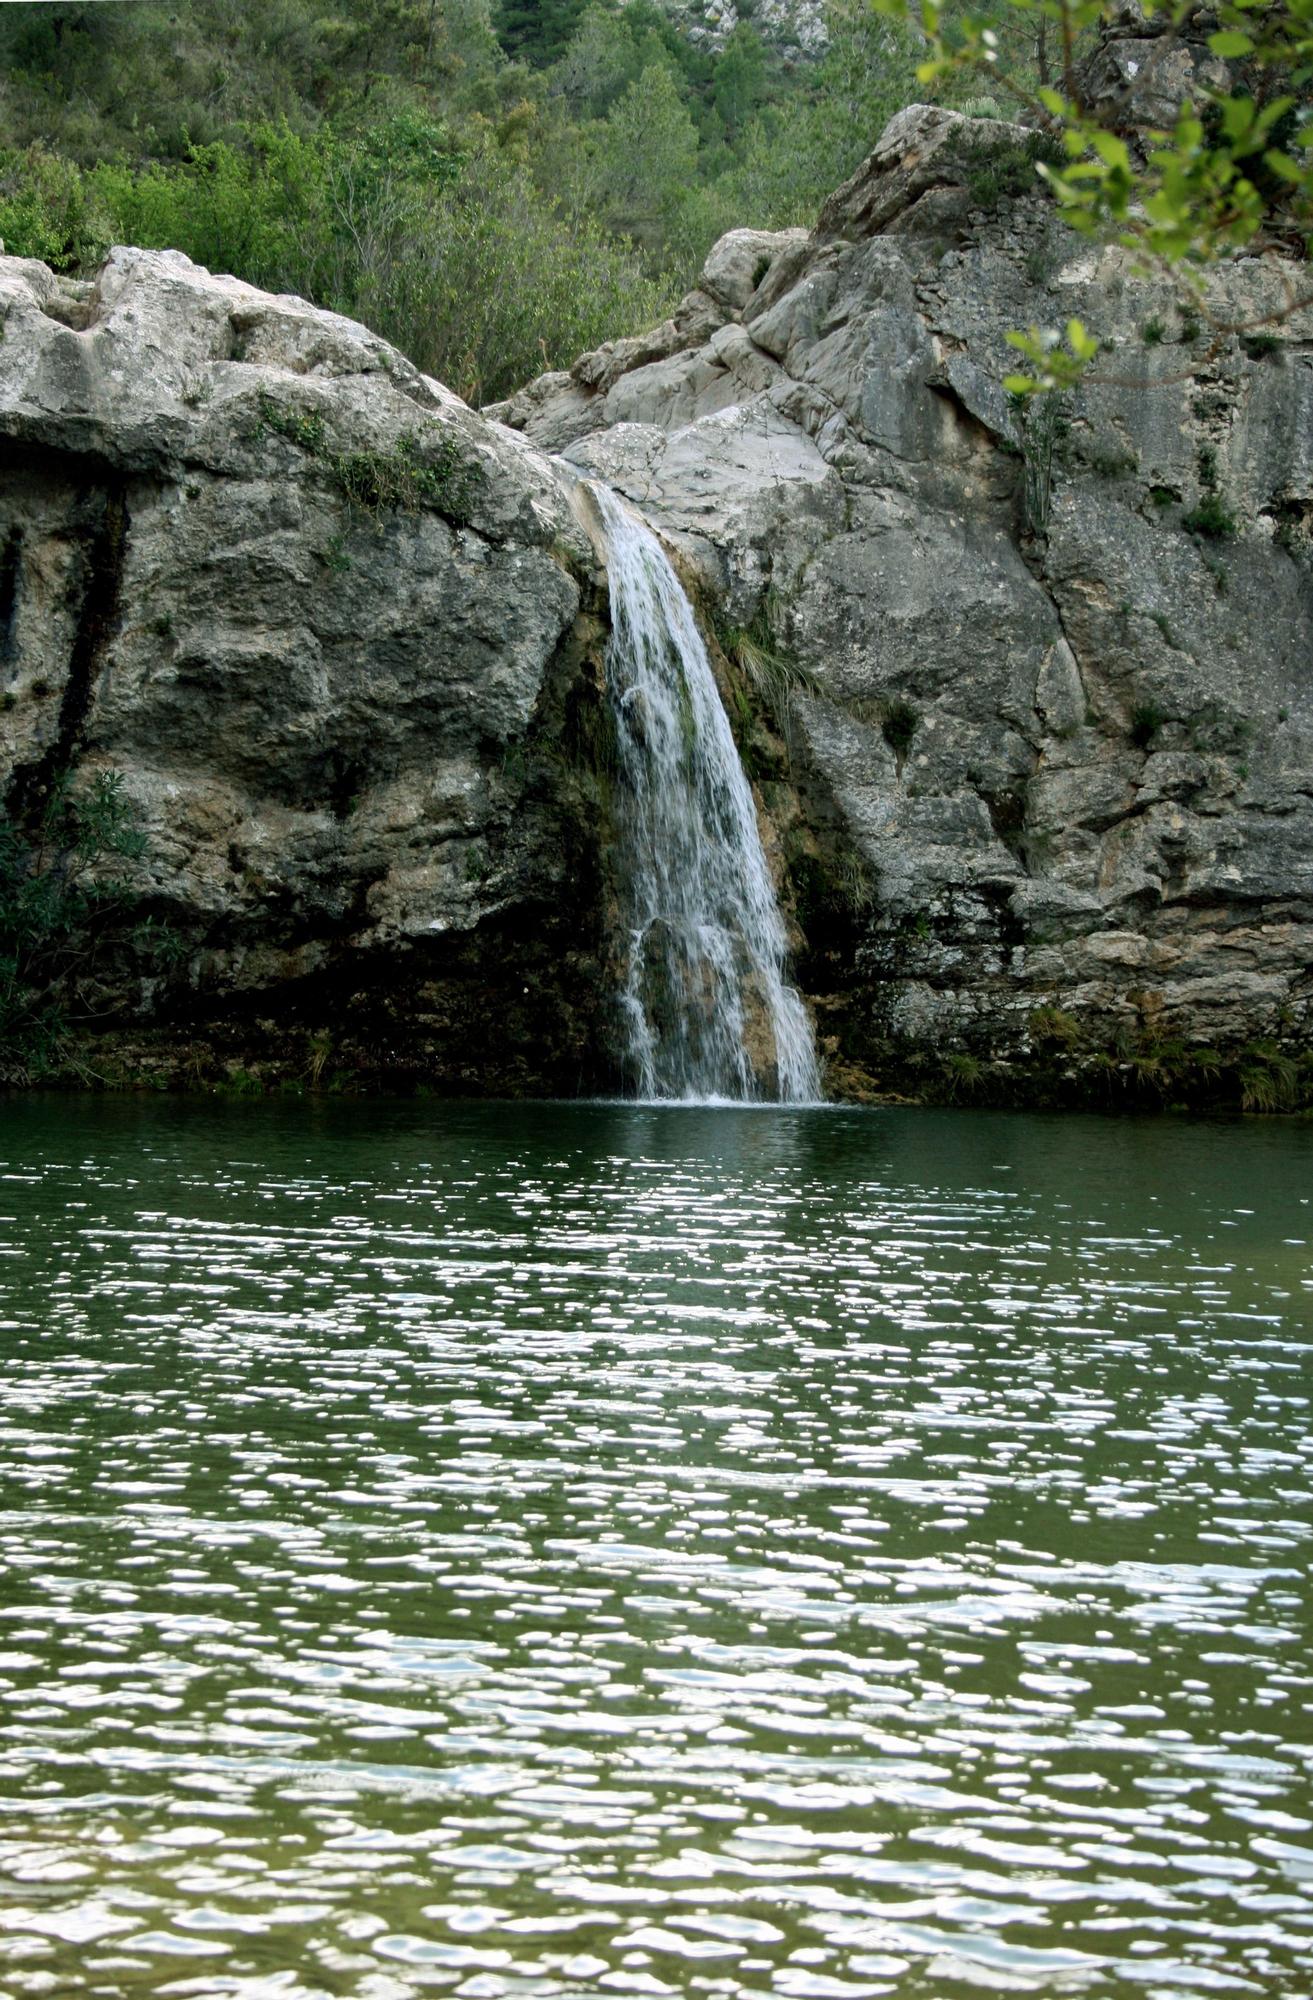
{"points": [[600, 1550]]}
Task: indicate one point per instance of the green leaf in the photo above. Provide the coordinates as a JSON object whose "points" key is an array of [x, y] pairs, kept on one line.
{"points": [[1237, 115], [1081, 343], [1283, 166], [1231, 42], [1112, 150]]}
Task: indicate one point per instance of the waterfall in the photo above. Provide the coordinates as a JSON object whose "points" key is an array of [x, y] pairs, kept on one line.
{"points": [[708, 1012]]}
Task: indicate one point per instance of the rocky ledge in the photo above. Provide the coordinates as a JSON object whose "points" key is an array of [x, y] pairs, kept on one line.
{"points": [[1025, 696]]}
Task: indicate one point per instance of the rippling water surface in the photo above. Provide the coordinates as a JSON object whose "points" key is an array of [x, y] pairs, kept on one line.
{"points": [[605, 1551]]}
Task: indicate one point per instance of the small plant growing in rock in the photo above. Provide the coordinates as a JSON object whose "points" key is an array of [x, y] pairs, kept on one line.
{"points": [[1052, 1026], [333, 555], [1042, 261], [415, 473], [1212, 519], [774, 677], [303, 428], [1154, 332], [1269, 1079], [995, 169], [962, 1074], [1112, 461], [319, 1047], [1043, 425], [1259, 345], [1147, 719], [899, 723], [1221, 581]]}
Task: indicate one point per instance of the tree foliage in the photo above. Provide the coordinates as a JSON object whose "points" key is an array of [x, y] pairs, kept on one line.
{"points": [[1230, 163], [493, 206]]}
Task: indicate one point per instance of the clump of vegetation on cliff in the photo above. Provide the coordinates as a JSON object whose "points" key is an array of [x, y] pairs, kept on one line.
{"points": [[409, 476], [1139, 1068], [64, 898]]}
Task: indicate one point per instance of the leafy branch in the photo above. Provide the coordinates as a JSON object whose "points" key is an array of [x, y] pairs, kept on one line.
{"points": [[1236, 160]]}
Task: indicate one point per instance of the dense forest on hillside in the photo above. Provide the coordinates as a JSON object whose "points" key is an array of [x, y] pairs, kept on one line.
{"points": [[492, 190]]}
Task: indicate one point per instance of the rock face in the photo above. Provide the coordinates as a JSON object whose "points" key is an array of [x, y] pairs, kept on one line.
{"points": [[325, 623], [1048, 803], [1025, 695], [796, 29]]}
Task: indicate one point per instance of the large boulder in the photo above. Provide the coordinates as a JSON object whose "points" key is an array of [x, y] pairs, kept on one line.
{"points": [[319, 619]]}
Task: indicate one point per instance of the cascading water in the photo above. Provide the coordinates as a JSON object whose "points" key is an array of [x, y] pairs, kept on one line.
{"points": [[708, 1011]]}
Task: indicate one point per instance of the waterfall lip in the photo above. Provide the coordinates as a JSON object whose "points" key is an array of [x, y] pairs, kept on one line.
{"points": [[581, 497]]}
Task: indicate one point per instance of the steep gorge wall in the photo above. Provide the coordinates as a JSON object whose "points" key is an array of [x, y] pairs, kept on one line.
{"points": [[1034, 751]]}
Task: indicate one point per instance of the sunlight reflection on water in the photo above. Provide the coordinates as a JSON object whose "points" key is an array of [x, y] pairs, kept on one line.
{"points": [[577, 1551]]}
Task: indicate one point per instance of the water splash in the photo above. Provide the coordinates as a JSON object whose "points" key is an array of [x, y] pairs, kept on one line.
{"points": [[708, 1011]]}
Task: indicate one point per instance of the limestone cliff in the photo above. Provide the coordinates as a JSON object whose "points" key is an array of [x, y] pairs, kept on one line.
{"points": [[1048, 805], [1027, 702], [330, 628]]}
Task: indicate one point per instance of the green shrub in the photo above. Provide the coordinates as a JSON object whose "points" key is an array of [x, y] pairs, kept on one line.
{"points": [[1111, 461], [1212, 519], [1270, 1079], [49, 210], [414, 473], [962, 1075], [1052, 1026], [774, 677], [995, 169], [453, 253]]}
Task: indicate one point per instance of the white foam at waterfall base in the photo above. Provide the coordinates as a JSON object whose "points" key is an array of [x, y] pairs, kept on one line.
{"points": [[708, 1012]]}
